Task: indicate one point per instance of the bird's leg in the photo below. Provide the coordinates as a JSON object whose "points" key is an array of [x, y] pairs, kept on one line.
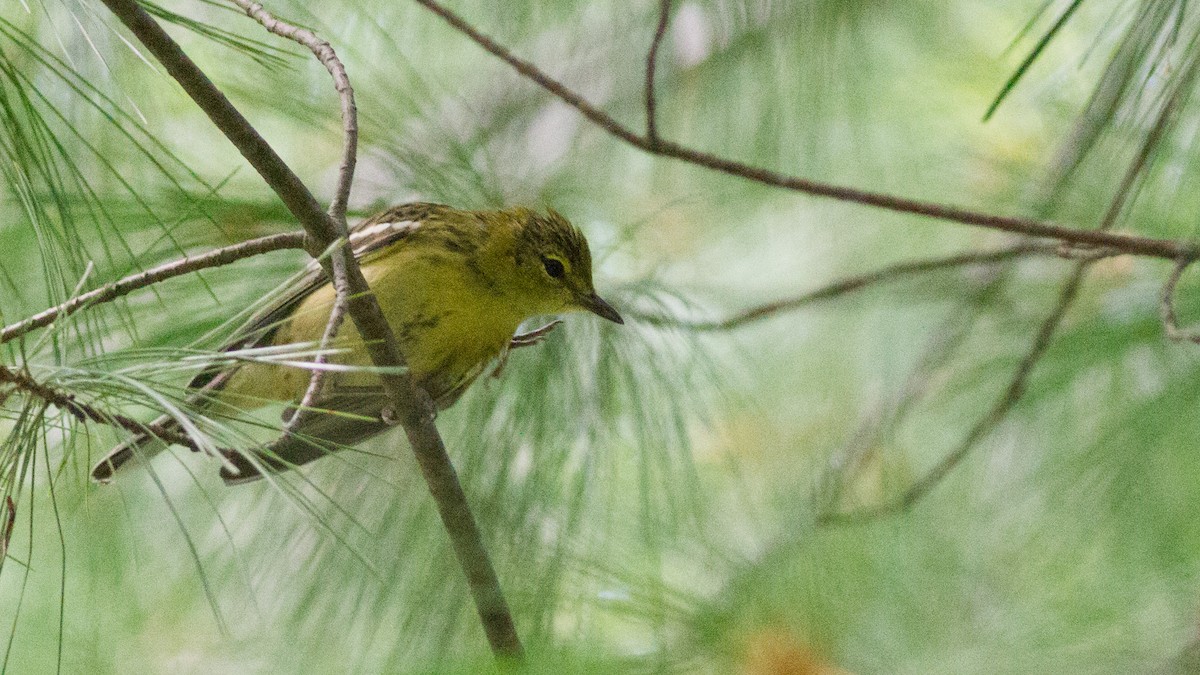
{"points": [[534, 336]]}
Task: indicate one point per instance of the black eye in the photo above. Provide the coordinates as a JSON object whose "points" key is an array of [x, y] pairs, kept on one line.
{"points": [[553, 267]]}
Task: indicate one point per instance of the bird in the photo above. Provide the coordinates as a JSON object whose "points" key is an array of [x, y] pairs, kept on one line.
{"points": [[453, 284]]}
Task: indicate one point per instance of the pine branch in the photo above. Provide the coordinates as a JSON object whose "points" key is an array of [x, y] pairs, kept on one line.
{"points": [[1100, 238], [85, 412], [1067, 296], [413, 408], [995, 415]]}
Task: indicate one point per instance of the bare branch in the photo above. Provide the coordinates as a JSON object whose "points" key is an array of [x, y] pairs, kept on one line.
{"points": [[117, 289], [856, 283], [413, 407], [1068, 294], [945, 341], [1016, 386], [664, 14], [337, 316], [337, 209], [1126, 243]]}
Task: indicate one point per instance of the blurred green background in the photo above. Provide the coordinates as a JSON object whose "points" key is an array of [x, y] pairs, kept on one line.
{"points": [[653, 495]]}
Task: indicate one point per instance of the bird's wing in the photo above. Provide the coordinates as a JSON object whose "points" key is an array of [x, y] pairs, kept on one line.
{"points": [[374, 234], [371, 235]]}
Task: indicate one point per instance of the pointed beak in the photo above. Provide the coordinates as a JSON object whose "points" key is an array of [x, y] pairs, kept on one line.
{"points": [[596, 305]]}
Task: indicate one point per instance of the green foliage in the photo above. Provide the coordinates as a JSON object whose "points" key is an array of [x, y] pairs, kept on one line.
{"points": [[651, 496]]}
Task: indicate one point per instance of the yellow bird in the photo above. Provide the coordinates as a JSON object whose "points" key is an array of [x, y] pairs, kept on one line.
{"points": [[453, 284]]}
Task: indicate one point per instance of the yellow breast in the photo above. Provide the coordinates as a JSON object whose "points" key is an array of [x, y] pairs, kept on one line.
{"points": [[447, 319]]}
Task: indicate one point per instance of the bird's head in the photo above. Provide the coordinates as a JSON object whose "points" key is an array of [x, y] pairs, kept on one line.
{"points": [[554, 266]]}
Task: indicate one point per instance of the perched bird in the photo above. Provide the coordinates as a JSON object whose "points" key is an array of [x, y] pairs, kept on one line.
{"points": [[454, 285]]}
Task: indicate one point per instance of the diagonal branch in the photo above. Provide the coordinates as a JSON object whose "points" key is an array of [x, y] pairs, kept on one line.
{"points": [[413, 409], [122, 287], [994, 416], [1126, 243]]}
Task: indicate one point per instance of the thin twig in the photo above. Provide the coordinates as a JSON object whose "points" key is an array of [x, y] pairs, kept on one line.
{"points": [[326, 55], [856, 283], [664, 15], [413, 408], [337, 208], [1126, 243], [1167, 307], [122, 287], [946, 340], [1068, 294], [316, 381], [337, 315]]}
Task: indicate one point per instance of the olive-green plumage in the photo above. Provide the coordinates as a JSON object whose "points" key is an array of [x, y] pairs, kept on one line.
{"points": [[454, 285]]}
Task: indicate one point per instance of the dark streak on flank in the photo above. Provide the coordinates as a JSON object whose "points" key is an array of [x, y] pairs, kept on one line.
{"points": [[422, 324]]}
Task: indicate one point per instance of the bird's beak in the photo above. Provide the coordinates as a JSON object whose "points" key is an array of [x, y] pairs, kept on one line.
{"points": [[596, 305]]}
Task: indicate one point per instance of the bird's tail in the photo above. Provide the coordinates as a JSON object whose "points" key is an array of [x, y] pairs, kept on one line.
{"points": [[143, 446]]}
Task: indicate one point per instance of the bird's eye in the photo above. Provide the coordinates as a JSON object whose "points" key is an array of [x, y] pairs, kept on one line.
{"points": [[553, 267]]}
